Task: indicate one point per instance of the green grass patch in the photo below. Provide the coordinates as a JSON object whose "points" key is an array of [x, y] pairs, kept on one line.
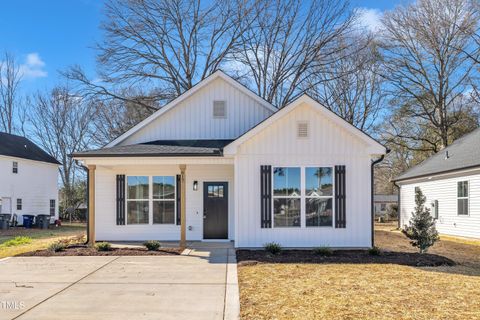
{"points": [[17, 241]]}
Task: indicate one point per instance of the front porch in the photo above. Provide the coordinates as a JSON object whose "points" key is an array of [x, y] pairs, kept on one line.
{"points": [[165, 199]]}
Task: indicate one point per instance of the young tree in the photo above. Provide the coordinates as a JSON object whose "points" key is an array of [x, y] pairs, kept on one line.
{"points": [[421, 231]]}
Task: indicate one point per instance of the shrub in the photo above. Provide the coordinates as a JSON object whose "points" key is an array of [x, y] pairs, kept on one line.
{"points": [[374, 251], [323, 251], [17, 241], [421, 231], [152, 245], [103, 246], [273, 247], [392, 211], [57, 246]]}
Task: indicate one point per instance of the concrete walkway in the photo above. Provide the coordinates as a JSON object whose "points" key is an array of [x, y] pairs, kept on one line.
{"points": [[200, 285]]}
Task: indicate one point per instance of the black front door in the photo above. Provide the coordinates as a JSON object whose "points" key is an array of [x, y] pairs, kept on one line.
{"points": [[215, 210]]}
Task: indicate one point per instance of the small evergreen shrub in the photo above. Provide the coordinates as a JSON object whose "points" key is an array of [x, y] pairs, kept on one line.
{"points": [[323, 251], [152, 245], [374, 251], [103, 246], [421, 230], [273, 247], [57, 246]]}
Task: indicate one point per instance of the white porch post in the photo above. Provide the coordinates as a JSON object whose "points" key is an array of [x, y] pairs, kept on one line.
{"points": [[183, 216]]}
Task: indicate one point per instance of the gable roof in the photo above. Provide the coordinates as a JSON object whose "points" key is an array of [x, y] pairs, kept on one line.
{"points": [[375, 146], [218, 74], [20, 147], [161, 148], [464, 153]]}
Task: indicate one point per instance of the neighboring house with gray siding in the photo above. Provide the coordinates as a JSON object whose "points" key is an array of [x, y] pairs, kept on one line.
{"points": [[450, 180], [220, 163], [382, 202]]}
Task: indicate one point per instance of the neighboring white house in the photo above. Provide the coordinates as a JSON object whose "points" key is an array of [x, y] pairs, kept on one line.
{"points": [[28, 179], [249, 173], [384, 201], [450, 181]]}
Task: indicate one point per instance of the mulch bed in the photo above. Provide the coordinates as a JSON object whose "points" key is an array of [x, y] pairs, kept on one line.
{"points": [[252, 257], [89, 251]]}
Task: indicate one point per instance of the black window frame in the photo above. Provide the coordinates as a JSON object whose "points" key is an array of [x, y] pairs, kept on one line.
{"points": [[19, 204], [52, 208], [15, 167]]}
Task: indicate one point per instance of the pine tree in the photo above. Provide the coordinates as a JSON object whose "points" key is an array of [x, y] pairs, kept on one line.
{"points": [[421, 231]]}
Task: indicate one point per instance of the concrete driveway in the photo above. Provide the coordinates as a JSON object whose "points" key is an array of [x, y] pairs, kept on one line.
{"points": [[201, 285]]}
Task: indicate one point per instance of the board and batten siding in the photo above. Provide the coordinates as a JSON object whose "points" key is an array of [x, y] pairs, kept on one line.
{"points": [[193, 117], [327, 145], [36, 183], [106, 228], [445, 191]]}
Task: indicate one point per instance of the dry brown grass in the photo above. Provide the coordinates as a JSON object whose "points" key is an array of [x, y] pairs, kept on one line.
{"points": [[366, 291]]}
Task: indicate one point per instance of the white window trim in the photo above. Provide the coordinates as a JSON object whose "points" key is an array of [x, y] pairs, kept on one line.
{"points": [[467, 198], [303, 196], [224, 109], [150, 200]]}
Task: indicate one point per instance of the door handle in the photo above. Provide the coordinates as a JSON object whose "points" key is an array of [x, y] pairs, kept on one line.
{"points": [[204, 216]]}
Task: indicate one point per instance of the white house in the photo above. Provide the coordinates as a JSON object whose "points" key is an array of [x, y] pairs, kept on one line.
{"points": [[219, 162], [28, 179], [382, 202], [450, 181]]}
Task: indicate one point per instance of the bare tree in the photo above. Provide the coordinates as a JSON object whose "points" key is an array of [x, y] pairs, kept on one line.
{"points": [[351, 86], [164, 45], [61, 124], [10, 78], [424, 46], [287, 42]]}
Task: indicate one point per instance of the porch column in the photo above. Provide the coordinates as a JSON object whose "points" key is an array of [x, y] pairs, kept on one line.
{"points": [[91, 204], [183, 216]]}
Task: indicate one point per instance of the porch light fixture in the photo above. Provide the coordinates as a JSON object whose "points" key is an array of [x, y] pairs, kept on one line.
{"points": [[195, 185]]}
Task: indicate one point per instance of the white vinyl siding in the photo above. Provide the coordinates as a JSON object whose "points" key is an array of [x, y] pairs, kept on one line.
{"points": [[192, 118], [445, 191], [328, 145]]}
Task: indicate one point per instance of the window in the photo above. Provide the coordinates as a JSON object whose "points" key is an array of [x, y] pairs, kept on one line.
{"points": [[302, 129], [52, 207], [15, 167], [215, 191], [286, 197], [219, 110], [383, 206], [319, 196], [19, 204], [462, 198], [163, 200], [137, 200]]}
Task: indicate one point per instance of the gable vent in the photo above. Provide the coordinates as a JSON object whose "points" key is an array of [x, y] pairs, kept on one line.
{"points": [[219, 110], [302, 130]]}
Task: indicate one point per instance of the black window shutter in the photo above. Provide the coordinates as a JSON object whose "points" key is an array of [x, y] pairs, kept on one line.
{"points": [[266, 196], [340, 190], [179, 211], [120, 199]]}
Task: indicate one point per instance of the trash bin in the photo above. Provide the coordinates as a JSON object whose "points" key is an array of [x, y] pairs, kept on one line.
{"points": [[27, 220], [5, 221], [43, 221]]}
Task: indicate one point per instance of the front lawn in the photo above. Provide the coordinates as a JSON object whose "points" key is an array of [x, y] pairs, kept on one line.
{"points": [[329, 289], [20, 240]]}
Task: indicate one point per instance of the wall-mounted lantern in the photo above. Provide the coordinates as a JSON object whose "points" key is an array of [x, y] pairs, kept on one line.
{"points": [[195, 185]]}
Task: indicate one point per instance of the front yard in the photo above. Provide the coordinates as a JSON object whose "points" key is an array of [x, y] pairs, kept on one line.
{"points": [[331, 290], [20, 240]]}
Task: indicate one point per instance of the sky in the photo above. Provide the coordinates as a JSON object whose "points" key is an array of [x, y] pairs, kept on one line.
{"points": [[51, 35]]}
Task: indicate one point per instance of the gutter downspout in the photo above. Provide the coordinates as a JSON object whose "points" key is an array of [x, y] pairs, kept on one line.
{"points": [[372, 193], [88, 196], [398, 203]]}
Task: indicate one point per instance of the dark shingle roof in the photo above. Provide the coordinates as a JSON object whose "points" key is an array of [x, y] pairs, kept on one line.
{"points": [[20, 147], [463, 153], [161, 148]]}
